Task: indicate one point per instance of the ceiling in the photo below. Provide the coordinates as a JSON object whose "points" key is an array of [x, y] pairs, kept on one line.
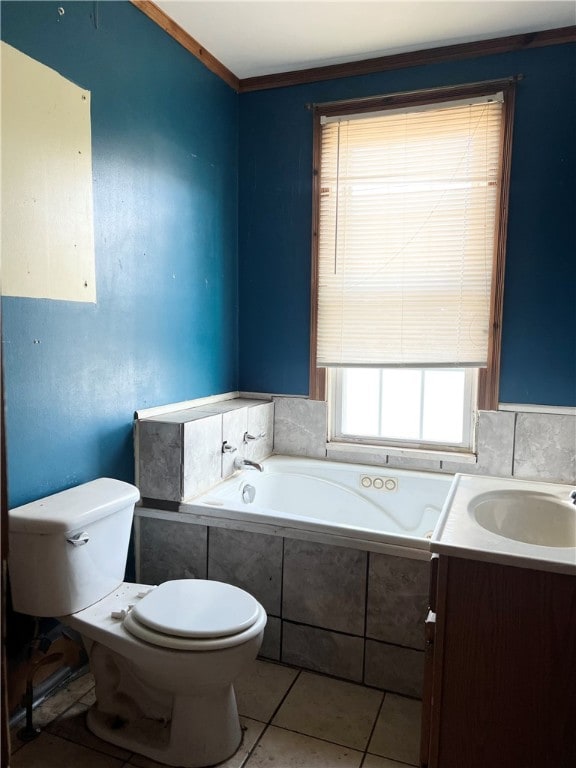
{"points": [[263, 37]]}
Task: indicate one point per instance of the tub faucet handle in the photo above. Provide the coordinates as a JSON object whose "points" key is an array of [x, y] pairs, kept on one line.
{"points": [[248, 437], [227, 448]]}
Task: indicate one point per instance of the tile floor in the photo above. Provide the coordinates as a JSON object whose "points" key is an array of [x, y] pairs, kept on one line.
{"points": [[291, 718]]}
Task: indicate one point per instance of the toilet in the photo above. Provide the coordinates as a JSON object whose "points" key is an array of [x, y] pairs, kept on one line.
{"points": [[164, 657]]}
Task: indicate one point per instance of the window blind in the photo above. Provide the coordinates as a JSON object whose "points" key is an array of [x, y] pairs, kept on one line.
{"points": [[407, 221]]}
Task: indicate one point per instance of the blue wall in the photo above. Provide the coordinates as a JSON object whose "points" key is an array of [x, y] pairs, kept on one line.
{"points": [[167, 218], [164, 328], [539, 325]]}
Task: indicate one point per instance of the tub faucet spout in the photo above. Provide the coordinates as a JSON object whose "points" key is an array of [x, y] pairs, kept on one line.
{"points": [[240, 463]]}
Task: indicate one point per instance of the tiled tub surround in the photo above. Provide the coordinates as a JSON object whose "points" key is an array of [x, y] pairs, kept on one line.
{"points": [[179, 454], [527, 445], [348, 612]]}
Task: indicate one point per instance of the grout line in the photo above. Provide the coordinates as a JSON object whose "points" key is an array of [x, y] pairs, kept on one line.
{"points": [[323, 629], [281, 649], [207, 576], [318, 738], [513, 467], [253, 748], [285, 696], [368, 557], [371, 734]]}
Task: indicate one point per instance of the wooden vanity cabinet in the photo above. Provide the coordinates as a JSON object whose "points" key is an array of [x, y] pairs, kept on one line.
{"points": [[500, 674]]}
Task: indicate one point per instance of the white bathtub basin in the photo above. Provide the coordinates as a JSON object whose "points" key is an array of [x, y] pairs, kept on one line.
{"points": [[361, 505], [529, 517], [512, 522]]}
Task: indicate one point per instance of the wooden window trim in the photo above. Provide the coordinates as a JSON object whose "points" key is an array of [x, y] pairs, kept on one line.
{"points": [[488, 382]]}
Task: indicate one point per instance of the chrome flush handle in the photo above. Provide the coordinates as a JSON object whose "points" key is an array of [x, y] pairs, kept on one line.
{"points": [[78, 539]]}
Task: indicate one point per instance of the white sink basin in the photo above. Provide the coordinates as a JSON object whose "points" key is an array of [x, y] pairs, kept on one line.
{"points": [[530, 517], [525, 523]]}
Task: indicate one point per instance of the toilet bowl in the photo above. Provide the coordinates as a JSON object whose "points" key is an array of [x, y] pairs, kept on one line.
{"points": [[164, 658]]}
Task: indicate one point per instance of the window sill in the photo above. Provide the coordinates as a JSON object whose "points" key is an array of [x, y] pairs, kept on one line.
{"points": [[462, 457]]}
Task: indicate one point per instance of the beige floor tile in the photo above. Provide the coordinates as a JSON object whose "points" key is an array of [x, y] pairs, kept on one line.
{"points": [[252, 730], [285, 749], [71, 725], [373, 761], [337, 711], [261, 688], [49, 751], [397, 732]]}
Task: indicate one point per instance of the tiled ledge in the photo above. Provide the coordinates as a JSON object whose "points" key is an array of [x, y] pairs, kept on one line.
{"points": [[531, 445]]}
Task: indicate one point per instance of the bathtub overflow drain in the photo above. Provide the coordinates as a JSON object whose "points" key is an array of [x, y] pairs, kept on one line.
{"points": [[248, 493]]}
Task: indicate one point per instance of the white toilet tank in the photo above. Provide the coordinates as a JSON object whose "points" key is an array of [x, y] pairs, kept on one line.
{"points": [[69, 550]]}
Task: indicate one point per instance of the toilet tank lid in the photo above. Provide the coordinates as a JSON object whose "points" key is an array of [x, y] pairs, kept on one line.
{"points": [[74, 508]]}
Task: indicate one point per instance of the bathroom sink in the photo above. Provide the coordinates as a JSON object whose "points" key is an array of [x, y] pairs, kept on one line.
{"points": [[524, 523], [529, 517]]}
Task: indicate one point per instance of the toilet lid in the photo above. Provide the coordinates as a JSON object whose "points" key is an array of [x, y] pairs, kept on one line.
{"points": [[197, 608]]}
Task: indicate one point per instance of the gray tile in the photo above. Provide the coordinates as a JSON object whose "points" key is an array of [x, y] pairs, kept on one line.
{"points": [[545, 447], [495, 443], [323, 651], [261, 687], [397, 731], [225, 406], [171, 550], [376, 459], [49, 751], [393, 668], [202, 455], [251, 561], [286, 749], [184, 415], [495, 446], [234, 425], [410, 462], [397, 599], [334, 710], [270, 648], [300, 427], [159, 459], [324, 585], [260, 422]]}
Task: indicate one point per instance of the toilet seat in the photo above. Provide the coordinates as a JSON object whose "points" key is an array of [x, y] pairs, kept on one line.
{"points": [[195, 614]]}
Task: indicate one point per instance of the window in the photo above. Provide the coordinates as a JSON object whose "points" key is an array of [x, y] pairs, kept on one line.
{"points": [[410, 201], [432, 406]]}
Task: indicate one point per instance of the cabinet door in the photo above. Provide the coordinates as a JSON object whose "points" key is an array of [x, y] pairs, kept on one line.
{"points": [[507, 694]]}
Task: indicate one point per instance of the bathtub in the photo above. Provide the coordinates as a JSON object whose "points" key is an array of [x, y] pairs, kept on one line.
{"points": [[369, 507], [336, 553]]}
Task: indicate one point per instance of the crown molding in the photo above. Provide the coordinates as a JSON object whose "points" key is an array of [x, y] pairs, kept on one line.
{"points": [[175, 31], [412, 59], [444, 53]]}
